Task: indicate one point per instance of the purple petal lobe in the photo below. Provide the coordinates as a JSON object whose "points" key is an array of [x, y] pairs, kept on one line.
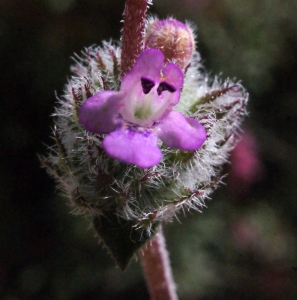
{"points": [[148, 63], [133, 147], [174, 76], [98, 113], [177, 131]]}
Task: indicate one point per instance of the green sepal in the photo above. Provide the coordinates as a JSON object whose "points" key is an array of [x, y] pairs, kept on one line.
{"points": [[122, 237]]}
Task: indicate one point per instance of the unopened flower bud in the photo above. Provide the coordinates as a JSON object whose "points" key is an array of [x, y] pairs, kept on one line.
{"points": [[175, 39]]}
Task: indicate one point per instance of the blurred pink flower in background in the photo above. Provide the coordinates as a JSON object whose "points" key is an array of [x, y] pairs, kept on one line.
{"points": [[246, 167]]}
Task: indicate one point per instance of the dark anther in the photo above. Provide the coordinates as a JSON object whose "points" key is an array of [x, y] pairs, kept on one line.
{"points": [[164, 86], [147, 84]]}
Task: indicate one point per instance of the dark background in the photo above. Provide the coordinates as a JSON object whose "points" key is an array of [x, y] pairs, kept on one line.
{"points": [[243, 246]]}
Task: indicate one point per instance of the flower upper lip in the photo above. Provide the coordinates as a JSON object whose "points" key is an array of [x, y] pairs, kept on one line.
{"points": [[145, 100]]}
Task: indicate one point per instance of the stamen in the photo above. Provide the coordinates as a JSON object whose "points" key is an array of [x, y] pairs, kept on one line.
{"points": [[164, 86], [147, 84]]}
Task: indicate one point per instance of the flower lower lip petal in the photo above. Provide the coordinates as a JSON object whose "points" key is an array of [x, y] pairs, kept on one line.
{"points": [[133, 146], [98, 113], [177, 131]]}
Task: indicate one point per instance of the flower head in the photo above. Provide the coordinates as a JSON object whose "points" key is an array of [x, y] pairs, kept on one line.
{"points": [[141, 112], [151, 115]]}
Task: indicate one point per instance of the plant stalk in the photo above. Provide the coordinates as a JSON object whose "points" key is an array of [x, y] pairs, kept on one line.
{"points": [[133, 32], [157, 270]]}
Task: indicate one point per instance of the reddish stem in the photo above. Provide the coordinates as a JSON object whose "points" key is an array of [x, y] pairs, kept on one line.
{"points": [[133, 32], [157, 270]]}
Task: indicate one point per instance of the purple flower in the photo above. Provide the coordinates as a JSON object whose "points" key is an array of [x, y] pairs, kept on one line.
{"points": [[141, 112]]}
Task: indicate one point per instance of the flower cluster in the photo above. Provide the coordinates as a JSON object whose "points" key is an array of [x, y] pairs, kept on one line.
{"points": [[144, 146], [141, 111]]}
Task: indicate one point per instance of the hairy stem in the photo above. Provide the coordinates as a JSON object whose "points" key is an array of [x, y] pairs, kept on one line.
{"points": [[133, 32], [157, 270]]}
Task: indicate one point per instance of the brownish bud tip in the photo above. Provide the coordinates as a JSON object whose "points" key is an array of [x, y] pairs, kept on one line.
{"points": [[175, 39]]}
